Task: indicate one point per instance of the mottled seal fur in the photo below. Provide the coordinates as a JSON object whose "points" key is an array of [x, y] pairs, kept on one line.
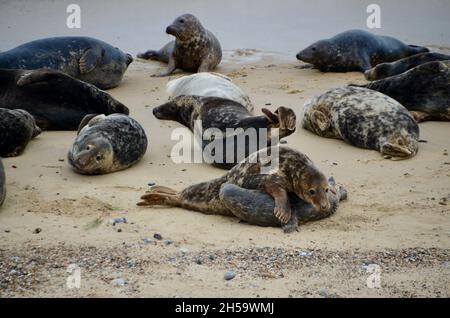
{"points": [[208, 85], [423, 90], [356, 50], [87, 59], [56, 100], [195, 49], [385, 70], [107, 144], [17, 128], [296, 174], [2, 183], [223, 114], [256, 207], [365, 119]]}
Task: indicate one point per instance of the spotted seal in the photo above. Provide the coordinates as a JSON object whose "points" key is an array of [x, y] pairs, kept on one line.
{"points": [[295, 174], [107, 144], [365, 119], [356, 50], [2, 183], [208, 84], [223, 114], [423, 90], [87, 59], [56, 100], [384, 70], [17, 128], [195, 49]]}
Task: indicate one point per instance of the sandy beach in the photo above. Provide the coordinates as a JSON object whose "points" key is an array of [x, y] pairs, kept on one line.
{"points": [[396, 216]]}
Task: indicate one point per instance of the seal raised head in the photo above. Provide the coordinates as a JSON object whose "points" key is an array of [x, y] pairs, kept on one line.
{"points": [[295, 174], [56, 100], [195, 49], [365, 119], [2, 183], [87, 59], [424, 90], [17, 128], [356, 50], [107, 144]]}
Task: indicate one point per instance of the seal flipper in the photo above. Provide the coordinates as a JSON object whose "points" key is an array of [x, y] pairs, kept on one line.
{"points": [[160, 196], [415, 49], [37, 76], [397, 151], [85, 121], [90, 59]]}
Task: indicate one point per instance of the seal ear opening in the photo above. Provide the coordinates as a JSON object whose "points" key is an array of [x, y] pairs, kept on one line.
{"points": [[320, 120]]}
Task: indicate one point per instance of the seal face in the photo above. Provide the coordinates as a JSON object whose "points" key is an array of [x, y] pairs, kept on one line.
{"points": [[356, 50], [107, 144], [2, 183], [385, 70], [17, 128], [295, 174], [56, 100], [195, 49], [365, 119], [250, 133], [208, 85], [87, 59], [423, 90]]}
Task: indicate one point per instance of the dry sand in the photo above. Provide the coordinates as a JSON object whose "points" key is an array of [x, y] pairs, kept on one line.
{"points": [[396, 215]]}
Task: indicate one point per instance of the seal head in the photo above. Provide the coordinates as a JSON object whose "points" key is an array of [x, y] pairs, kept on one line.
{"points": [[184, 27], [93, 155]]}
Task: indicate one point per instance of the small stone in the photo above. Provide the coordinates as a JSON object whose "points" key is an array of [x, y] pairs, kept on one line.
{"points": [[118, 220], [37, 230], [211, 257], [119, 282], [157, 236], [151, 184], [283, 142], [184, 250], [199, 261], [147, 240], [229, 275], [119, 230], [168, 242], [323, 293]]}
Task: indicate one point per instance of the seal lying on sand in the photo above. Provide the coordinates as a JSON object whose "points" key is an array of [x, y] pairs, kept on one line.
{"points": [[194, 50], [107, 144], [384, 70], [293, 173], [208, 84], [356, 50], [222, 114], [17, 128], [423, 90], [256, 207], [2, 183], [56, 100], [365, 119], [86, 59]]}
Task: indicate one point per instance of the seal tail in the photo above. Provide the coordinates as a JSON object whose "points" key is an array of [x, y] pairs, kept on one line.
{"points": [[160, 196]]}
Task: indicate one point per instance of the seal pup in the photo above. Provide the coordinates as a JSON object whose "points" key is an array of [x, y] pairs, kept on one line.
{"points": [[195, 49], [423, 90], [17, 128], [385, 70], [2, 183], [356, 50], [56, 100], [256, 207], [365, 119], [295, 174], [87, 59], [162, 55], [208, 84], [224, 114], [107, 144]]}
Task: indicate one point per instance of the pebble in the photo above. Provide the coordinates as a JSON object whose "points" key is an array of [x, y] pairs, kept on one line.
{"points": [[37, 230], [229, 275], [151, 184], [118, 282], [184, 250], [199, 261], [118, 220], [283, 142], [168, 242], [157, 236], [323, 293]]}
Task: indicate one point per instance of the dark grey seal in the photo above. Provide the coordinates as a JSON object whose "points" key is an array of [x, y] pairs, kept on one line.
{"points": [[356, 50], [87, 59], [194, 50], [423, 90], [17, 128], [56, 100], [107, 144]]}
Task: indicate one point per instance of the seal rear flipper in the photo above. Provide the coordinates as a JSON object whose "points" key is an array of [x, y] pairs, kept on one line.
{"points": [[149, 55], [398, 152], [415, 49], [90, 59], [160, 196], [85, 121], [37, 76]]}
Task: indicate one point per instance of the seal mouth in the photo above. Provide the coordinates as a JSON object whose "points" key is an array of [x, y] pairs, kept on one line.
{"points": [[172, 30]]}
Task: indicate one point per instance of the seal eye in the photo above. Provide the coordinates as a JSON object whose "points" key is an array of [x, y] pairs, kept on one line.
{"points": [[182, 21], [88, 147], [326, 190], [312, 192]]}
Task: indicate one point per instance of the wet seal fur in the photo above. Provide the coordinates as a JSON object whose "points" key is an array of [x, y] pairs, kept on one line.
{"points": [[356, 50], [220, 113], [56, 100], [208, 85], [423, 90], [195, 49], [87, 59], [2, 183], [384, 70], [365, 119], [107, 144], [17, 128], [296, 174]]}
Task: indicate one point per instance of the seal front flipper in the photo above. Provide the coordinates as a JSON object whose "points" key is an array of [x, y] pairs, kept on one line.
{"points": [[37, 76], [282, 208], [170, 68], [90, 59]]}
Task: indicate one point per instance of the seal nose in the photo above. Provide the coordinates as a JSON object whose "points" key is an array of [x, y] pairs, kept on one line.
{"points": [[37, 131], [129, 59], [298, 56]]}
